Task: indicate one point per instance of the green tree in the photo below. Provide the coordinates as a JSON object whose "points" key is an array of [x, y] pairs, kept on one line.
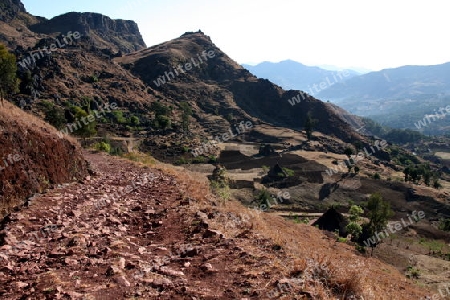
{"points": [[407, 171], [9, 82], [162, 122], [160, 109], [53, 114], [87, 128], [134, 121], [348, 151], [309, 124], [379, 214], [353, 227], [186, 114]]}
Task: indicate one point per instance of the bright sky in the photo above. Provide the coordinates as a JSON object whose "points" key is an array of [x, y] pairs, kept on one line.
{"points": [[346, 33]]}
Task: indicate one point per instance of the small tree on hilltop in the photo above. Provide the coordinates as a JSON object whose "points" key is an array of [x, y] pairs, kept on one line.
{"points": [[9, 82]]}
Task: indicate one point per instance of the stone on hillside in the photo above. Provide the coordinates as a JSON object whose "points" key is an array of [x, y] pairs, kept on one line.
{"points": [[121, 280]]}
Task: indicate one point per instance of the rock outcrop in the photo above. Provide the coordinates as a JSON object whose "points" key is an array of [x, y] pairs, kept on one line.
{"points": [[121, 35], [9, 9]]}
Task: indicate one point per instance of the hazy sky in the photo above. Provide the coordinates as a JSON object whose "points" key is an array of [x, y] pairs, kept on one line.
{"points": [[347, 33]]}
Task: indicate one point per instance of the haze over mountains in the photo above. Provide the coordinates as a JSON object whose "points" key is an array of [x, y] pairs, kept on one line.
{"points": [[292, 75], [397, 97]]}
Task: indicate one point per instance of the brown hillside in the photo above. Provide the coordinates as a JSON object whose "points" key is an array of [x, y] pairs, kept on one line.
{"points": [[33, 157], [227, 86]]}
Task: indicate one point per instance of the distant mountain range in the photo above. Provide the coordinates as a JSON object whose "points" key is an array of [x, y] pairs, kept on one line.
{"points": [[398, 97], [402, 82], [292, 75]]}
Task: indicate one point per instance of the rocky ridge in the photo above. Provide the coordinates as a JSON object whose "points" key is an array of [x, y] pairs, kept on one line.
{"points": [[119, 35]]}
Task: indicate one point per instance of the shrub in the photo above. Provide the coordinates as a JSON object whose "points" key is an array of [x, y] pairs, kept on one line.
{"points": [[86, 130], [444, 224], [134, 121], [221, 189], [436, 184], [412, 272], [116, 151], [181, 161], [199, 160], [53, 114], [103, 146], [263, 198], [289, 172], [354, 229], [348, 151], [162, 122], [118, 116]]}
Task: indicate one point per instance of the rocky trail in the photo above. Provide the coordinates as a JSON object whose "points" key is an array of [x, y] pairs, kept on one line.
{"points": [[135, 232], [126, 232]]}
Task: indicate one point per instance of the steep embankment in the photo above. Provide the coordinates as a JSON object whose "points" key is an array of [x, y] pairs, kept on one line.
{"points": [[132, 231], [33, 157]]}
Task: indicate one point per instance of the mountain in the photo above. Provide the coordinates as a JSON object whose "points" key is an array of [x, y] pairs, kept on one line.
{"points": [[402, 82], [227, 87], [252, 160], [14, 23], [397, 97], [296, 76], [102, 30], [10, 9], [358, 70]]}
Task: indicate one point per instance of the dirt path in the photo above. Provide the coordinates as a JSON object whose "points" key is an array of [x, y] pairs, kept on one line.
{"points": [[125, 232], [132, 232]]}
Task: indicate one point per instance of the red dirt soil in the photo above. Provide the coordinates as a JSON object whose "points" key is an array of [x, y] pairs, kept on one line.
{"points": [[158, 239], [42, 158]]}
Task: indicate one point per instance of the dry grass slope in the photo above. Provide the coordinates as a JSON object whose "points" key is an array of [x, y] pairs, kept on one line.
{"points": [[43, 158]]}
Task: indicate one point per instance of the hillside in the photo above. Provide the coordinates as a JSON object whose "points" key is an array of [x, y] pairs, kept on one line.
{"points": [[292, 75], [33, 158], [206, 228], [228, 88]]}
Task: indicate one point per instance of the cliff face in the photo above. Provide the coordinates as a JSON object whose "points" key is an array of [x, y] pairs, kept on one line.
{"points": [[9, 9], [120, 35]]}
